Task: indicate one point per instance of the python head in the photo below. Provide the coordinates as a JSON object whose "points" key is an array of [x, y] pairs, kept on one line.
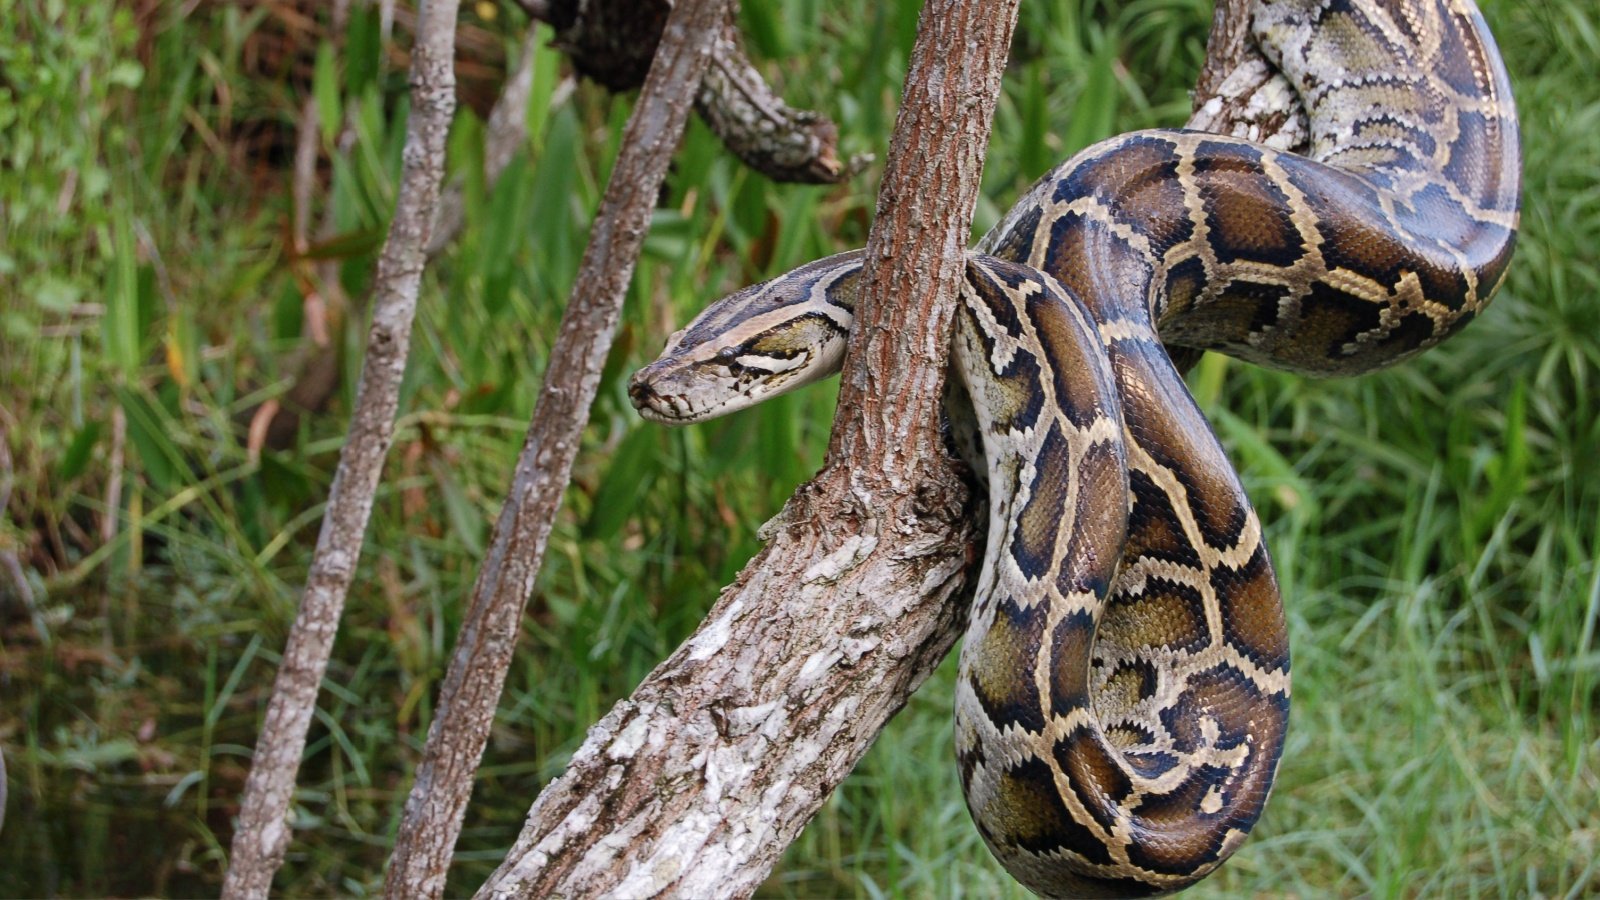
{"points": [[765, 340]]}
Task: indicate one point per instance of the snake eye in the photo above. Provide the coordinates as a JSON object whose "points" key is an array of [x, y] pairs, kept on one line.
{"points": [[728, 354]]}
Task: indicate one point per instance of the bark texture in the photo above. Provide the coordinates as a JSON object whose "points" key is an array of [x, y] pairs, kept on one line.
{"points": [[696, 784], [1239, 93], [262, 834], [483, 650]]}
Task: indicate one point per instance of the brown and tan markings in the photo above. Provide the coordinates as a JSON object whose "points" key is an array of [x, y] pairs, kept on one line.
{"points": [[1123, 691]]}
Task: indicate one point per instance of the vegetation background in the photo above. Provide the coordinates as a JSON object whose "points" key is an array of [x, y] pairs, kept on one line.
{"points": [[1436, 527]]}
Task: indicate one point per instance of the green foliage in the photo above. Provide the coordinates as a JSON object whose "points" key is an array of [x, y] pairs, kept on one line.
{"points": [[1436, 527]]}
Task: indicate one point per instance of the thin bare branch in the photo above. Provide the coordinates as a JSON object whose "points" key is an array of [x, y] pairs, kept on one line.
{"points": [[263, 828], [478, 667], [308, 134], [506, 131], [114, 466]]}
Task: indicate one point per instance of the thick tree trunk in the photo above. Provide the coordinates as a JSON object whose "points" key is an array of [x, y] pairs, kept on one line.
{"points": [[263, 829]]}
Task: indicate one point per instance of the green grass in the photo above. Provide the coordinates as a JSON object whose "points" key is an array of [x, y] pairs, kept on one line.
{"points": [[1436, 527]]}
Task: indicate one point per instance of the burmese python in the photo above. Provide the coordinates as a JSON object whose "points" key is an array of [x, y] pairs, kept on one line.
{"points": [[1124, 683]]}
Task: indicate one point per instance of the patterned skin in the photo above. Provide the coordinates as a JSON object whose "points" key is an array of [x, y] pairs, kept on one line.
{"points": [[1123, 692]]}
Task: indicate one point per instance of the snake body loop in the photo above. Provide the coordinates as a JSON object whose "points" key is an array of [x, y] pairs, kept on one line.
{"points": [[1123, 692]]}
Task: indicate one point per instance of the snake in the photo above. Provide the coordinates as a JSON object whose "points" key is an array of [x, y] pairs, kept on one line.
{"points": [[1122, 695]]}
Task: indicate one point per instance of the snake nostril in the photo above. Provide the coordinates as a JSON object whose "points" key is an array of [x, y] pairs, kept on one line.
{"points": [[640, 392]]}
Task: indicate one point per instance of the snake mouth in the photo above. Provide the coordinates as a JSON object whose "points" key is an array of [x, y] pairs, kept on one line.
{"points": [[652, 404], [667, 409]]}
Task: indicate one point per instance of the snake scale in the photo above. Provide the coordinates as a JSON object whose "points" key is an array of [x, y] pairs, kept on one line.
{"points": [[1123, 690]]}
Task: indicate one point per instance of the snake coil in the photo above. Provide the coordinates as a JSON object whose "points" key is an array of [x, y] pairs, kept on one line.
{"points": [[1123, 691]]}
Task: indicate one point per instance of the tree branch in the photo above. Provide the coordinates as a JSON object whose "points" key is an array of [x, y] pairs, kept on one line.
{"points": [[263, 832], [696, 784], [478, 666], [506, 130]]}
